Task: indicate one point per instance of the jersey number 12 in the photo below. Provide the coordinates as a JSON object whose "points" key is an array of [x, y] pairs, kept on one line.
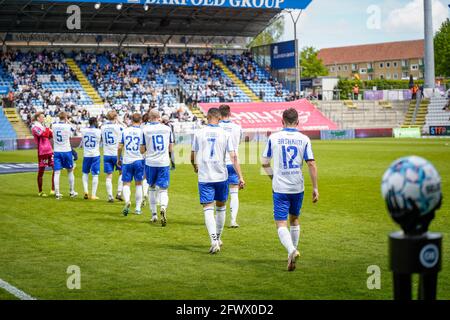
{"points": [[292, 152]]}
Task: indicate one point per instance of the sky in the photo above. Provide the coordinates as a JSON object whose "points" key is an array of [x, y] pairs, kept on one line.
{"points": [[335, 23]]}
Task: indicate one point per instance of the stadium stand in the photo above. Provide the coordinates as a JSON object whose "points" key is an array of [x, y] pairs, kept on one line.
{"points": [[364, 114], [6, 129], [258, 80], [438, 113]]}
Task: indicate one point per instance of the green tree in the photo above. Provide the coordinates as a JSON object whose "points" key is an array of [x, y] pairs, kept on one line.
{"points": [[270, 35], [311, 65], [442, 50]]}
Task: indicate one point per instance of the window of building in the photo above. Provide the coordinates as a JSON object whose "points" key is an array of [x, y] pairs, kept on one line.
{"points": [[345, 67], [395, 76], [381, 76], [363, 70], [369, 77], [369, 65], [388, 76], [354, 67], [395, 64], [421, 62], [332, 69], [414, 67], [405, 75], [405, 63], [339, 68], [381, 65], [388, 64]]}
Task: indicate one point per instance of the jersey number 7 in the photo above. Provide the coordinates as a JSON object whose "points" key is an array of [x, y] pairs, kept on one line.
{"points": [[213, 143]]}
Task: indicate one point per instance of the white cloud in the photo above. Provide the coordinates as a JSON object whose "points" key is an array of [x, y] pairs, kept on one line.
{"points": [[410, 17]]}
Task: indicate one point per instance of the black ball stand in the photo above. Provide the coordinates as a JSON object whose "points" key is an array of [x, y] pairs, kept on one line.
{"points": [[420, 254]]}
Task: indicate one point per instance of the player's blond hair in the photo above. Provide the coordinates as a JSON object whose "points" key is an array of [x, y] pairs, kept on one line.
{"points": [[154, 115], [62, 116], [111, 115]]}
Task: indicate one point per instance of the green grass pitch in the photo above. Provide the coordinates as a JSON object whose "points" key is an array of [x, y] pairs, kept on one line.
{"points": [[129, 258]]}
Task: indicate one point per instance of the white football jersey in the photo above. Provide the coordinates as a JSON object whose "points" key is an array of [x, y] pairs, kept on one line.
{"points": [[61, 137], [288, 148], [132, 140], [157, 138], [111, 136], [91, 138], [235, 132], [212, 144]]}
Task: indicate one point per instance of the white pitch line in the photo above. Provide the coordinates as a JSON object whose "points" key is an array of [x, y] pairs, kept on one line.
{"points": [[14, 291]]}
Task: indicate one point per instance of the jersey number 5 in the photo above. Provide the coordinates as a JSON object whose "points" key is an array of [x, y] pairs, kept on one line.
{"points": [[59, 137]]}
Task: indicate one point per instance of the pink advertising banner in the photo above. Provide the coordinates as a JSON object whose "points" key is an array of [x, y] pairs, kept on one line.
{"points": [[269, 115]]}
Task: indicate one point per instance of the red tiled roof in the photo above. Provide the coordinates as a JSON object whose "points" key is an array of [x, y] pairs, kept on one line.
{"points": [[374, 52]]}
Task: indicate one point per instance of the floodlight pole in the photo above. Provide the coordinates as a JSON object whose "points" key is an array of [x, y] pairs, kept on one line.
{"points": [[298, 85], [429, 46]]}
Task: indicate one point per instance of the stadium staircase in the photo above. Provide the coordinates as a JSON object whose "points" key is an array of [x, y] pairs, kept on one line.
{"points": [[85, 84], [237, 81], [198, 113], [21, 129], [416, 115]]}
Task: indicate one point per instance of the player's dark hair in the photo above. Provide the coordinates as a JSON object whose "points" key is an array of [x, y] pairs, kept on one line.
{"points": [[62, 116], [37, 115], [214, 113], [225, 110], [136, 118], [145, 117], [93, 122], [290, 116]]}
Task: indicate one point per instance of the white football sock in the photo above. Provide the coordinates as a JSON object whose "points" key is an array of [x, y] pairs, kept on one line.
{"points": [[210, 223], [94, 185], [126, 193], [109, 187], [56, 181], [152, 200], [71, 181], [85, 179], [145, 187], [158, 197], [164, 198], [286, 240], [234, 204], [120, 185], [221, 213], [138, 197], [295, 235]]}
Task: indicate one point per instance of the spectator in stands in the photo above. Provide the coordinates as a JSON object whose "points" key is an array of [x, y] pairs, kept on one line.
{"points": [[355, 92], [261, 94], [447, 106], [414, 91]]}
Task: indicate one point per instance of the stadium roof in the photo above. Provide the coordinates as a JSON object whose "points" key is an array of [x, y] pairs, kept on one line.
{"points": [[161, 17], [401, 50]]}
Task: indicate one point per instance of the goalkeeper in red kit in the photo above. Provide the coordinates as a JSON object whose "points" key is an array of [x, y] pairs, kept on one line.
{"points": [[42, 136]]}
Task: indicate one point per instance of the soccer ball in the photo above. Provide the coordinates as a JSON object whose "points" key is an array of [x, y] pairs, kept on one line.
{"points": [[415, 185]]}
